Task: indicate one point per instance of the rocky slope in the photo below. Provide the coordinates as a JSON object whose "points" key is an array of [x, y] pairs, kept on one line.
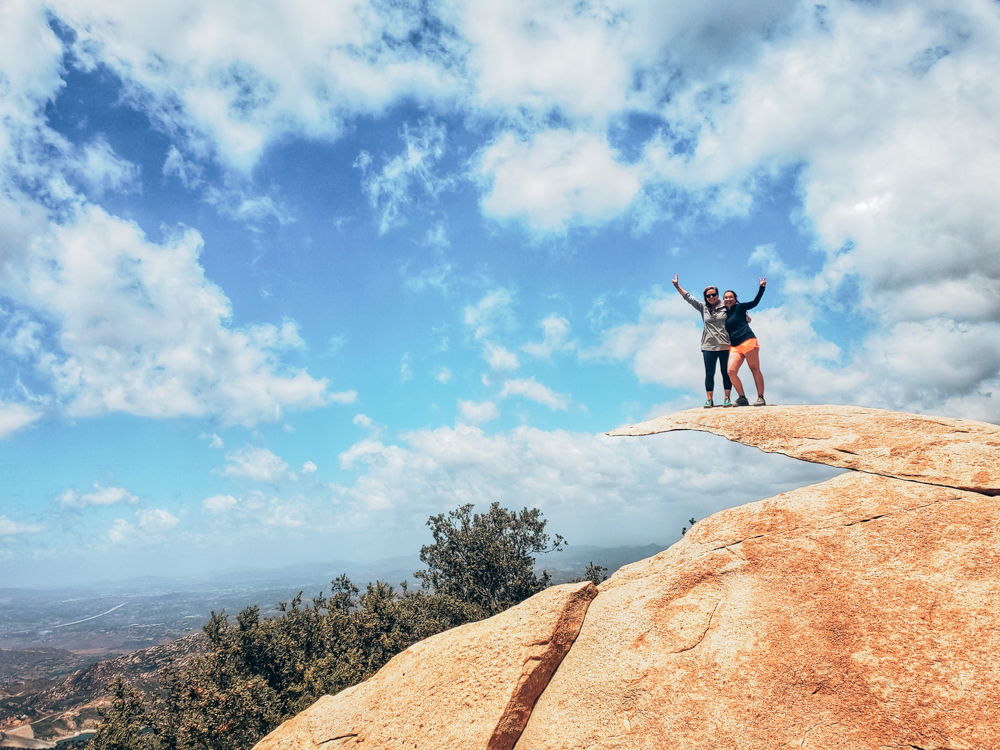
{"points": [[862, 612], [472, 686], [63, 707]]}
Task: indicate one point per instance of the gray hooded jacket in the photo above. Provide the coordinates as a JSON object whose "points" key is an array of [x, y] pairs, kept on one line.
{"points": [[714, 337]]}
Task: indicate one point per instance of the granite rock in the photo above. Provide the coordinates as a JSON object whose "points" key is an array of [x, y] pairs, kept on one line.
{"points": [[469, 687], [936, 450], [858, 613]]}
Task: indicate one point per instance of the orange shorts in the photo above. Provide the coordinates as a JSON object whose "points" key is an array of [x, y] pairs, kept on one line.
{"points": [[746, 346]]}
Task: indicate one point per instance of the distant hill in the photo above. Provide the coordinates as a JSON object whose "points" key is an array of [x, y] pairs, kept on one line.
{"points": [[57, 708]]}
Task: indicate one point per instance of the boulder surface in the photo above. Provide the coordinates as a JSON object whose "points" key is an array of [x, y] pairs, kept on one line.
{"points": [[949, 452], [469, 687], [858, 613]]}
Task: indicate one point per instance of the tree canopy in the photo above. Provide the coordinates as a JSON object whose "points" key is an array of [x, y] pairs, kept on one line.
{"points": [[486, 559]]}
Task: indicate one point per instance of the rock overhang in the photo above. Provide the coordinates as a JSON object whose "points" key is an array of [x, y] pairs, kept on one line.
{"points": [[932, 450]]}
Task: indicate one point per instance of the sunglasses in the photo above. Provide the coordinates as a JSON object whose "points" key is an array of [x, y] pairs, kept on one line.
{"points": [[712, 294]]}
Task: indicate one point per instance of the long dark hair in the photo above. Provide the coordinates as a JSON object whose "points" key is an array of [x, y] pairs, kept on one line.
{"points": [[718, 300], [729, 291]]}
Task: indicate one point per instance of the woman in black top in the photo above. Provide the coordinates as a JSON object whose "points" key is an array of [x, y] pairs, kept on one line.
{"points": [[743, 343]]}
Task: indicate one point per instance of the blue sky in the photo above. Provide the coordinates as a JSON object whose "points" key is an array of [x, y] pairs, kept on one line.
{"points": [[280, 280]]}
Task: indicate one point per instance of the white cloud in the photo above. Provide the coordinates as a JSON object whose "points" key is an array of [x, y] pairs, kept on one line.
{"points": [[543, 56], [500, 358], [405, 373], [16, 528], [214, 441], [253, 209], [99, 496], [156, 520], [491, 312], [120, 530], [189, 173], [663, 345], [557, 178], [443, 376], [363, 420], [556, 331], [257, 464], [219, 504], [343, 397], [435, 277], [389, 191], [14, 417], [534, 391], [477, 413], [308, 467], [102, 171], [660, 480], [362, 451], [235, 81], [141, 330]]}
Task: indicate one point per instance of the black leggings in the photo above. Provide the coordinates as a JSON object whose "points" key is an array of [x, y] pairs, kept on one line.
{"points": [[710, 359]]}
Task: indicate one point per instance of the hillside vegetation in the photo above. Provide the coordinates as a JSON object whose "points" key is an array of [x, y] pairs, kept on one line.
{"points": [[257, 672]]}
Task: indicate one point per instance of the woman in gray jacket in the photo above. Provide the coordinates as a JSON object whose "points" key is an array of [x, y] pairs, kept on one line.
{"points": [[714, 339]]}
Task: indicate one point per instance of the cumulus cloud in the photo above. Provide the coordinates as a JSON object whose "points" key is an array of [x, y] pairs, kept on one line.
{"points": [[139, 329], [556, 332], [256, 464], [491, 312], [500, 358], [120, 530], [532, 390], [189, 173], [308, 467], [14, 417], [662, 345], [156, 520], [556, 178], [102, 171], [98, 496], [653, 481], [311, 65], [150, 523], [472, 412], [362, 451], [343, 397], [17, 528], [214, 441], [219, 504], [443, 376]]}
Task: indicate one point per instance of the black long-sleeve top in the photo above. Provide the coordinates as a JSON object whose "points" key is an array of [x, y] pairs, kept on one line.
{"points": [[736, 320]]}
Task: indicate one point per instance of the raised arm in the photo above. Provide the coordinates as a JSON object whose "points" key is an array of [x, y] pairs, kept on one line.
{"points": [[760, 293], [677, 285], [697, 304]]}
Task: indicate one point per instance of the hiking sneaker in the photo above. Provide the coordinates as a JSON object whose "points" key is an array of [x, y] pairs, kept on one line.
{"points": [[709, 404], [760, 401], [727, 402], [742, 401]]}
